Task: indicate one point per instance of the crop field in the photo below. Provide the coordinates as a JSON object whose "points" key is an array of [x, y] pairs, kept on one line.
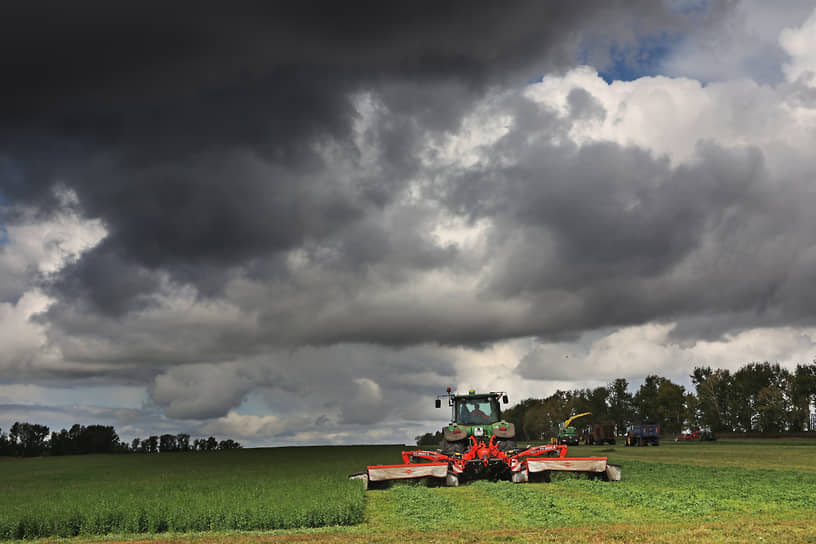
{"points": [[704, 492], [257, 489]]}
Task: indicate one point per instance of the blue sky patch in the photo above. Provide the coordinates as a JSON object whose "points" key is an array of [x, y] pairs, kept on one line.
{"points": [[630, 61]]}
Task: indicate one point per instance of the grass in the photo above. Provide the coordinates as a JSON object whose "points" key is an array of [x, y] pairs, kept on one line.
{"points": [[758, 454], [230, 490], [701, 492], [649, 493]]}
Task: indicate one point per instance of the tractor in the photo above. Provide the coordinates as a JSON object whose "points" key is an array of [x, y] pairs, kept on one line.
{"points": [[479, 444], [566, 434], [476, 416]]}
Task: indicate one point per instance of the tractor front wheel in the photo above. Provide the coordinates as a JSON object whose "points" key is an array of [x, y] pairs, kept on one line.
{"points": [[506, 445]]}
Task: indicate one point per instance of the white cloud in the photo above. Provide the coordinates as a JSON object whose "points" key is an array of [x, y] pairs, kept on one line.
{"points": [[23, 341], [800, 44], [48, 244], [635, 352], [247, 426], [37, 247], [671, 116], [743, 44]]}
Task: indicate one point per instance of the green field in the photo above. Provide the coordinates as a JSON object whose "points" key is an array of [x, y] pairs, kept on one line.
{"points": [[731, 488], [256, 489]]}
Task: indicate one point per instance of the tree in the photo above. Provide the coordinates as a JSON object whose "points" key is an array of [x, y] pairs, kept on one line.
{"points": [[167, 443], [661, 401], [538, 421], [714, 391], [671, 406], [90, 439], [98, 439], [516, 414], [748, 381], [75, 436], [692, 412], [429, 439], [621, 404], [802, 392], [28, 440], [229, 444], [598, 403], [183, 442], [645, 400], [60, 443], [542, 418], [770, 405], [135, 445], [151, 444], [211, 444], [5, 448]]}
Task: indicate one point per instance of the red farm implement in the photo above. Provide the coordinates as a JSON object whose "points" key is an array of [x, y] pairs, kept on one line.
{"points": [[484, 460], [478, 444], [698, 435]]}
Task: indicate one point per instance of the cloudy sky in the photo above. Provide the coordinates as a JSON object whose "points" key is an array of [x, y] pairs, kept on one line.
{"points": [[300, 224]]}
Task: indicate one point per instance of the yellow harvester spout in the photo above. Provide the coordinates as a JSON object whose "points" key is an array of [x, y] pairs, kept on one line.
{"points": [[567, 422]]}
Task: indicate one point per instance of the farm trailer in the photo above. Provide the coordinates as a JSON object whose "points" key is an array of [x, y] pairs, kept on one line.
{"points": [[643, 435], [600, 433]]}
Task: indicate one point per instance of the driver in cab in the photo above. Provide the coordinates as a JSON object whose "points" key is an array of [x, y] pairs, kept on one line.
{"points": [[477, 416]]}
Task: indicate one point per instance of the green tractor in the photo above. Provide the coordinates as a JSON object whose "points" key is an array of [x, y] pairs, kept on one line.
{"points": [[567, 434], [476, 415]]}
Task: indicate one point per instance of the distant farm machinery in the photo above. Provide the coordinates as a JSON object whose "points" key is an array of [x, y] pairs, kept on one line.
{"points": [[477, 445], [568, 434], [701, 435], [600, 433], [643, 435]]}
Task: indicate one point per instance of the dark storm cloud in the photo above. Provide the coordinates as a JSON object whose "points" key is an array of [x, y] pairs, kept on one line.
{"points": [[344, 383], [303, 202], [194, 134], [621, 231]]}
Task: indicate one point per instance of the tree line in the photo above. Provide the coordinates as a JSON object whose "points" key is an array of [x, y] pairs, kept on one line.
{"points": [[33, 440], [759, 397]]}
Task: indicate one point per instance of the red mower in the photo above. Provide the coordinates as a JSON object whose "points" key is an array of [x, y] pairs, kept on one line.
{"points": [[485, 451]]}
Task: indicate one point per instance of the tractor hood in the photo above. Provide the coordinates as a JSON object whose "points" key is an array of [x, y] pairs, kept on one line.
{"points": [[502, 429]]}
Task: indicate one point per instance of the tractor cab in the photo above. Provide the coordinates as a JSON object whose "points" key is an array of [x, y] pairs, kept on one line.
{"points": [[473, 408], [476, 410], [476, 415]]}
